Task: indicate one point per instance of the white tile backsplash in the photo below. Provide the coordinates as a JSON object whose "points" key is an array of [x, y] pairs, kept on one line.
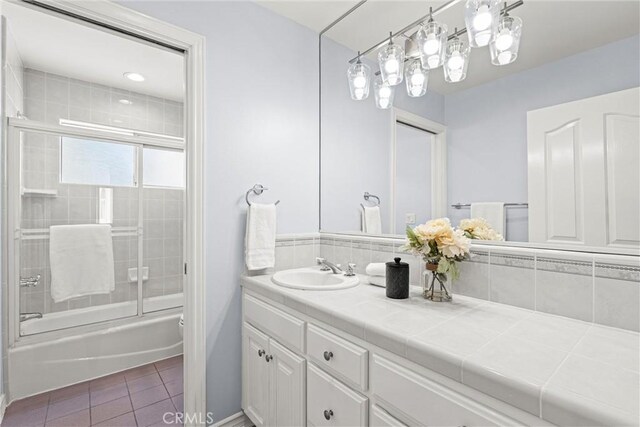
{"points": [[603, 289]]}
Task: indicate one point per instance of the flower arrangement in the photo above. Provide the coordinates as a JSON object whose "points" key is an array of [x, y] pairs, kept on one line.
{"points": [[479, 229], [438, 243]]}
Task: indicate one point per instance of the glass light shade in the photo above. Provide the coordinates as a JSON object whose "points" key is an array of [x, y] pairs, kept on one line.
{"points": [[432, 40], [359, 76], [391, 61], [504, 47], [481, 20], [383, 92], [416, 77], [456, 61]]}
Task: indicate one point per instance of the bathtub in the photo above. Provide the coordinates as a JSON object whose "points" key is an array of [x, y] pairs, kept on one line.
{"points": [[56, 359]]}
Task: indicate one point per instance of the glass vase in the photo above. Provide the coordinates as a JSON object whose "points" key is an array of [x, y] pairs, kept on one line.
{"points": [[433, 284]]}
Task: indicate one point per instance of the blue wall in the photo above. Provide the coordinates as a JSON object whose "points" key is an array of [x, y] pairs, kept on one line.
{"points": [[487, 124]]}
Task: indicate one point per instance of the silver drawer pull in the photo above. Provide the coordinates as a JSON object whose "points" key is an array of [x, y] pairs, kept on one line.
{"points": [[328, 355], [261, 353], [268, 358], [328, 413]]}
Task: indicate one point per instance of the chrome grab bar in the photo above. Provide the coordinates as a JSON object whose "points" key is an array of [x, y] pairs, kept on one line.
{"points": [[29, 316], [30, 281]]}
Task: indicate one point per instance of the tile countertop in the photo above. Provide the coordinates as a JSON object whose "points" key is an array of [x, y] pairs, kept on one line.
{"points": [[565, 371]]}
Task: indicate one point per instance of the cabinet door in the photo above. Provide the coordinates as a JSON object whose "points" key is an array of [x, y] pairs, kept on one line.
{"points": [[255, 375], [287, 372], [331, 403]]}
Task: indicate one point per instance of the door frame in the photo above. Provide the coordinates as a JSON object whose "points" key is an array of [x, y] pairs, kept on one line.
{"points": [[137, 24], [438, 161]]}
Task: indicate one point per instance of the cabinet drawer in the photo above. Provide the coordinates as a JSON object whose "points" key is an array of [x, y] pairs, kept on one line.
{"points": [[426, 401], [381, 418], [285, 328], [331, 403], [340, 357]]}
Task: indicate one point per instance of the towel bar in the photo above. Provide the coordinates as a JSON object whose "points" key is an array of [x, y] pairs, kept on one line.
{"points": [[508, 205]]}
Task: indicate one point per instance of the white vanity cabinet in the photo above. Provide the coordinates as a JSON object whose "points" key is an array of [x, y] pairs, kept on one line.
{"points": [[297, 372]]}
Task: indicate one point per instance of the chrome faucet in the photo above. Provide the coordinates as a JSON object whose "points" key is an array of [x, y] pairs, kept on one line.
{"points": [[326, 266]]}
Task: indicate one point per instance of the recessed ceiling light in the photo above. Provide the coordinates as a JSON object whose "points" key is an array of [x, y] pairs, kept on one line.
{"points": [[125, 101], [134, 76]]}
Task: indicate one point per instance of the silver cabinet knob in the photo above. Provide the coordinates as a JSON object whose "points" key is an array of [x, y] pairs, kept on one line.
{"points": [[268, 358], [328, 413], [328, 355], [261, 353]]}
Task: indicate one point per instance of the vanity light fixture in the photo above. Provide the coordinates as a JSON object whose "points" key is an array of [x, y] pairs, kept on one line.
{"points": [[391, 62], [432, 39], [416, 78], [359, 76], [481, 20], [456, 60], [383, 92], [504, 48], [134, 77]]}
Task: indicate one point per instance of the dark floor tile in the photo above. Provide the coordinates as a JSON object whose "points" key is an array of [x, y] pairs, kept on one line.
{"points": [[175, 387], [168, 363], [126, 420], [69, 392], [149, 396], [155, 413], [104, 395], [28, 403], [26, 418], [140, 371], [172, 374], [68, 406], [106, 381], [77, 419], [144, 383], [178, 402], [111, 410]]}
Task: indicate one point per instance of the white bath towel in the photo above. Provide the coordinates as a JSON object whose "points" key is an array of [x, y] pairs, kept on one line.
{"points": [[376, 269], [371, 221], [260, 238], [378, 281], [81, 258], [493, 212]]}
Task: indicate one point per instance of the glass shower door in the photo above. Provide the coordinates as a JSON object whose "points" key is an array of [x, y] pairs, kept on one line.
{"points": [[66, 180]]}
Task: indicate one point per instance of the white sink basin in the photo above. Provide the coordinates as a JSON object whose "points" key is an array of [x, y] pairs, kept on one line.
{"points": [[313, 279]]}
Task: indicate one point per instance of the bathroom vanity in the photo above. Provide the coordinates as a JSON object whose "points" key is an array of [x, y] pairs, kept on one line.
{"points": [[354, 358]]}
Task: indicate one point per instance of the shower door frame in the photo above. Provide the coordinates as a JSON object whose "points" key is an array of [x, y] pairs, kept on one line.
{"points": [[138, 25]]}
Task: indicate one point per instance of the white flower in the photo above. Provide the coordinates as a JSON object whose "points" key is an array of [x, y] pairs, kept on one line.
{"points": [[455, 246]]}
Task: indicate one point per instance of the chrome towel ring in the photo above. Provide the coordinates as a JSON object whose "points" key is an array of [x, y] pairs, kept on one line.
{"points": [[257, 189]]}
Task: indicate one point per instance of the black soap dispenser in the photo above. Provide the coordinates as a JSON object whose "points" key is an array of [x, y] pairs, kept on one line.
{"points": [[397, 279]]}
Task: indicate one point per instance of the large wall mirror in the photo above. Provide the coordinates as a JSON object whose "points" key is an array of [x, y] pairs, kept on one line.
{"points": [[536, 129]]}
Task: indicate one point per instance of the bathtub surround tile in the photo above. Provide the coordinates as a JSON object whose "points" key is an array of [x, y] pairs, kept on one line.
{"points": [[111, 409]]}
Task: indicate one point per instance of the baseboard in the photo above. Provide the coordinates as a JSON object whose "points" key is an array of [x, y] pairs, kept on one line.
{"points": [[3, 406], [235, 420]]}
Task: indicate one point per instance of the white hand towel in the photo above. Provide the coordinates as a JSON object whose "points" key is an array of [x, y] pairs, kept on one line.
{"points": [[81, 258], [371, 221], [378, 281], [493, 212], [260, 238], [376, 269]]}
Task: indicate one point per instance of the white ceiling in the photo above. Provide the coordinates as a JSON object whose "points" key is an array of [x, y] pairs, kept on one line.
{"points": [[552, 29], [61, 46]]}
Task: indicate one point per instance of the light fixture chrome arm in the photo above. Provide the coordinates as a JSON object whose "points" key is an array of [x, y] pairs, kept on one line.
{"points": [[417, 22]]}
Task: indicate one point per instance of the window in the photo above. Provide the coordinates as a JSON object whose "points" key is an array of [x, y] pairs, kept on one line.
{"points": [[163, 168], [90, 162]]}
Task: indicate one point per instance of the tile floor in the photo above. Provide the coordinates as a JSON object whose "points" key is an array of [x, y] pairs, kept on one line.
{"points": [[138, 397]]}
